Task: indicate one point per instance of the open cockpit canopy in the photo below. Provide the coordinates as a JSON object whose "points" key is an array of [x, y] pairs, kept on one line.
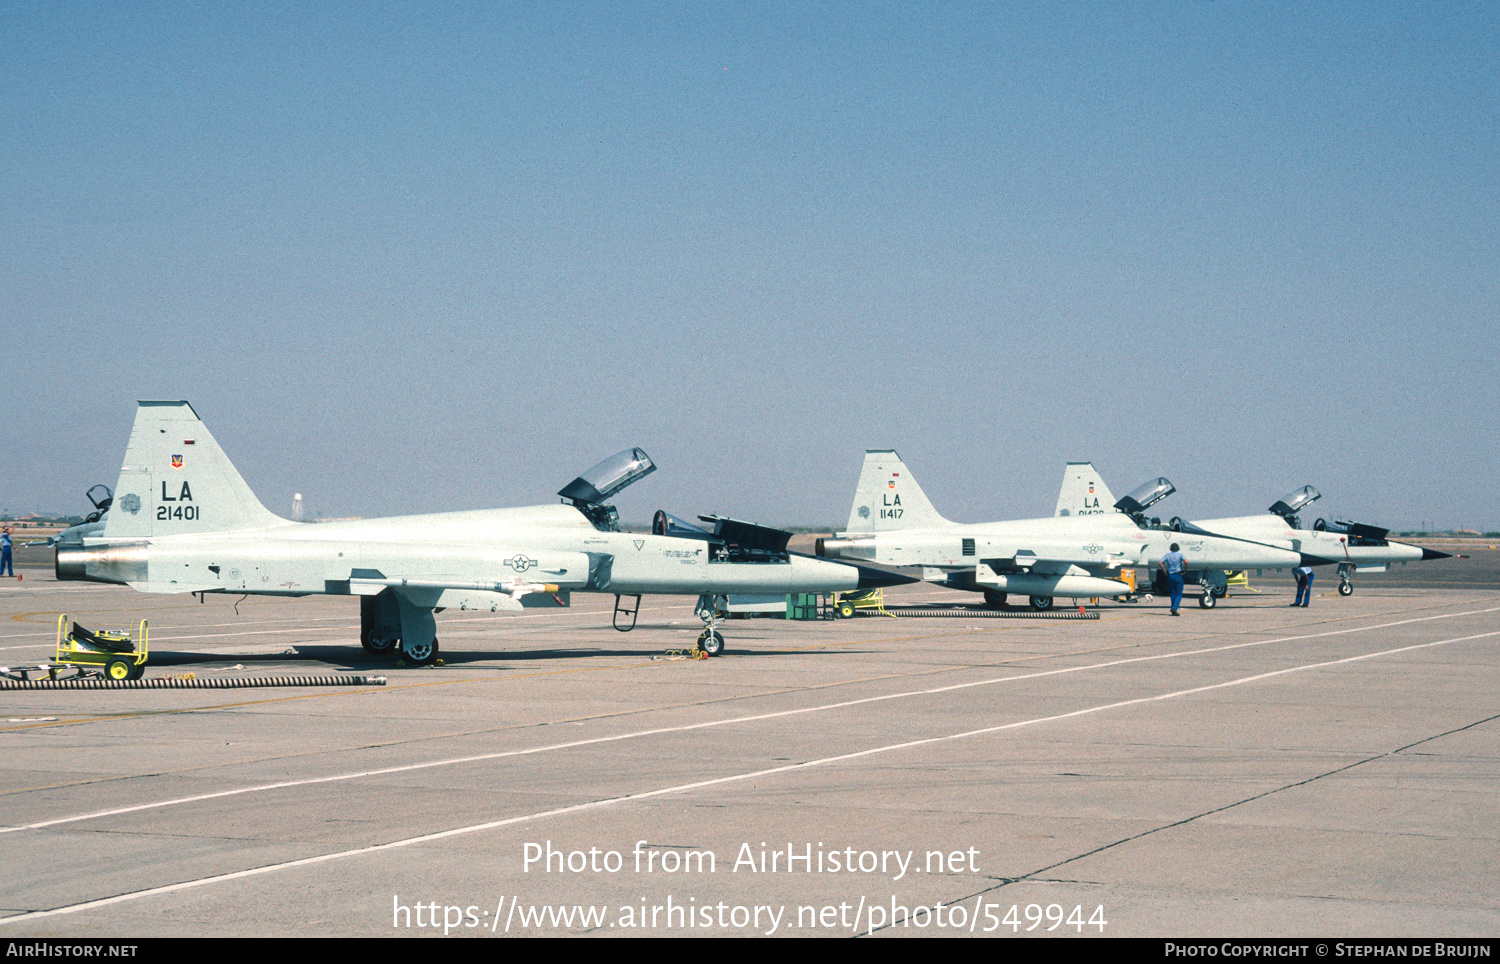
{"points": [[590, 489]]}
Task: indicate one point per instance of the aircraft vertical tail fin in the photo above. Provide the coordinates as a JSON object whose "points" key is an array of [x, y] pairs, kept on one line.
{"points": [[888, 498], [1083, 492], [177, 480]]}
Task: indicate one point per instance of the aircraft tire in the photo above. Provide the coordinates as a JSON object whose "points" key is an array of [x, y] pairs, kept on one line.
{"points": [[421, 655], [1208, 600], [1219, 591], [376, 646], [994, 598], [711, 641], [1041, 603], [1346, 589]]}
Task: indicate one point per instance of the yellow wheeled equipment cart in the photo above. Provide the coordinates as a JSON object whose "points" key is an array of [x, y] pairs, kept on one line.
{"points": [[113, 654], [842, 605]]}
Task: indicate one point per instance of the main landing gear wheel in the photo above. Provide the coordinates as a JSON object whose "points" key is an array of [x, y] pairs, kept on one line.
{"points": [[845, 610], [1346, 589], [994, 598], [1041, 603], [1208, 600], [378, 645], [1219, 591], [711, 641], [423, 654]]}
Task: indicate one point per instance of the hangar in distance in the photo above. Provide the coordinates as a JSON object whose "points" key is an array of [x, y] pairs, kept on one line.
{"points": [[892, 523], [182, 519]]}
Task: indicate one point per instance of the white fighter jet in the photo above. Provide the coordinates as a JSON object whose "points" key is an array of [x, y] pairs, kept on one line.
{"points": [[1350, 545], [892, 523], [182, 520]]}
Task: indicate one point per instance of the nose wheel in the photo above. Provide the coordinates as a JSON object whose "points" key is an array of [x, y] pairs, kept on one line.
{"points": [[710, 641]]}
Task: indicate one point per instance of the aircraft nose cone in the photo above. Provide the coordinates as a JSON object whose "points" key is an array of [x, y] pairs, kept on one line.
{"points": [[1434, 554], [870, 578]]}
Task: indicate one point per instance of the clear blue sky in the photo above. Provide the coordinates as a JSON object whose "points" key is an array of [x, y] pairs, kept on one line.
{"points": [[417, 257]]}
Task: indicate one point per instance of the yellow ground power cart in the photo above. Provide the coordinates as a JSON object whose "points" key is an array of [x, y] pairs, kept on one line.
{"points": [[114, 654], [843, 604]]}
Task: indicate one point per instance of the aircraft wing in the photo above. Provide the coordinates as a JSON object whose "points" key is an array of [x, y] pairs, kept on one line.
{"points": [[1058, 553], [510, 595], [1053, 559]]}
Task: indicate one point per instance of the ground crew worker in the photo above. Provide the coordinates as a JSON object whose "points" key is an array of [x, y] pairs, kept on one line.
{"points": [[1304, 576], [1173, 564]]}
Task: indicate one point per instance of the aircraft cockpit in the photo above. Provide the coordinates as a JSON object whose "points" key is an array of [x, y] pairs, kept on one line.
{"points": [[1144, 497], [588, 492], [1357, 534], [731, 540], [102, 498], [1293, 502]]}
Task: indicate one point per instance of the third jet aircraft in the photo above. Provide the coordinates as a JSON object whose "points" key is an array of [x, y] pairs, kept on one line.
{"points": [[1350, 545]]}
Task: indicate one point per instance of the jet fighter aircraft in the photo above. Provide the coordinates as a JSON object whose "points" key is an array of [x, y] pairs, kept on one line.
{"points": [[1350, 545], [183, 520], [892, 523]]}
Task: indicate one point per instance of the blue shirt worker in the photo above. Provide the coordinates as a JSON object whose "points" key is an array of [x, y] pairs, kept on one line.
{"points": [[6, 568], [1173, 564], [1304, 576]]}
